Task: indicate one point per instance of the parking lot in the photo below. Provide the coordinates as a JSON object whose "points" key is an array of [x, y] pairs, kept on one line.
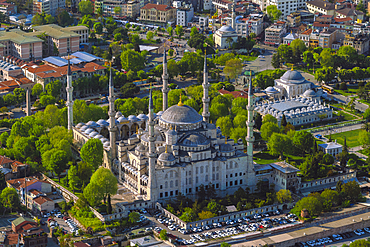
{"points": [[338, 239], [223, 229], [57, 217]]}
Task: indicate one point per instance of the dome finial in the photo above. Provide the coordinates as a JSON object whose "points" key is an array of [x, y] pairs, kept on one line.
{"points": [[166, 148], [292, 67], [225, 139], [180, 102]]}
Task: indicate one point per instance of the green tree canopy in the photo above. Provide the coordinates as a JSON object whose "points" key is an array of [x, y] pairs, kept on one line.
{"points": [[267, 129], [92, 153], [86, 7]]}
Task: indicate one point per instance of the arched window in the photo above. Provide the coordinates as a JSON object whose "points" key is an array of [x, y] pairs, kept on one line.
{"points": [[176, 183], [166, 185], [201, 169], [171, 184]]}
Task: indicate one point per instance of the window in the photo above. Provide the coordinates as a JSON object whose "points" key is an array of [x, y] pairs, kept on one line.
{"points": [[161, 187], [197, 170], [176, 183], [161, 195], [241, 181], [165, 194], [217, 186], [236, 174], [189, 190], [231, 183], [171, 193], [201, 169], [166, 185], [196, 180], [236, 182], [171, 184]]}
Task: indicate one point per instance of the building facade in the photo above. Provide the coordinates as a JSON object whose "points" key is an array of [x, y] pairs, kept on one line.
{"points": [[184, 14], [158, 13], [274, 33], [49, 7]]}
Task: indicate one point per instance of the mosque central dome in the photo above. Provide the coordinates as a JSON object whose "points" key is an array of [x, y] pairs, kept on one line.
{"points": [[181, 114], [292, 76]]}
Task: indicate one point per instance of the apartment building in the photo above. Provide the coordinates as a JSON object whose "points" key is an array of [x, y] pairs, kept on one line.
{"points": [[222, 4], [8, 8], [127, 9], [158, 13], [305, 37], [49, 7], [322, 7], [184, 13], [275, 33], [359, 42], [28, 46], [287, 6], [327, 37], [252, 24]]}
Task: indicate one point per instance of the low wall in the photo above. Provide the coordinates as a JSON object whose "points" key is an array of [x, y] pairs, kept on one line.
{"points": [[323, 181], [230, 216]]}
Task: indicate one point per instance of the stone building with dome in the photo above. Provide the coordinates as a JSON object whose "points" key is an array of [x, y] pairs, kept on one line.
{"points": [[221, 36], [293, 84], [159, 155]]}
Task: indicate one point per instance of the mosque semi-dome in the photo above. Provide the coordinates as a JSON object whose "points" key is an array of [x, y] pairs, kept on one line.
{"points": [[309, 93], [181, 114], [166, 157], [194, 140]]}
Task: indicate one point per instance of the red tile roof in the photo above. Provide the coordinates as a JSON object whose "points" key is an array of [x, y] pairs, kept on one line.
{"points": [[11, 239], [342, 19], [5, 160], [42, 199], [236, 94], [307, 32], [160, 7]]}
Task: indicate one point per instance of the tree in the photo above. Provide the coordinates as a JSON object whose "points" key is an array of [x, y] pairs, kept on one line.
{"points": [[273, 12], [351, 191], [129, 89], [46, 100], [361, 7], [86, 7], [225, 124], [326, 59], [73, 177], [267, 129], [37, 90], [92, 153], [302, 140], [58, 162], [196, 41], [118, 37], [276, 60], [134, 217], [233, 68], [106, 181], [268, 118], [170, 30], [92, 194], [364, 138], [308, 58], [188, 215], [366, 115], [298, 47], [279, 144], [284, 196], [132, 60], [330, 195], [98, 28], [63, 18], [214, 207], [224, 244], [9, 198], [179, 31], [359, 242], [149, 35], [206, 215], [311, 203], [163, 235], [53, 88], [328, 159], [117, 10]]}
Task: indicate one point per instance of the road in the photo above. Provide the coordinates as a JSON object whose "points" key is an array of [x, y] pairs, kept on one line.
{"points": [[339, 130], [345, 100]]}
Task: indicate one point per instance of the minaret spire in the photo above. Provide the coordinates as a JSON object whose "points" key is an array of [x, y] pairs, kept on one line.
{"points": [[233, 16], [69, 90], [165, 89], [250, 122], [205, 99], [112, 119], [152, 185]]}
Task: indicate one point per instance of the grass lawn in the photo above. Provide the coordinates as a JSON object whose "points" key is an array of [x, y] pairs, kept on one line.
{"points": [[351, 136], [247, 58], [266, 158], [346, 116]]}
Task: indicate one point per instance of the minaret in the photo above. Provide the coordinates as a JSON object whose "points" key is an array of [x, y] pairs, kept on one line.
{"points": [[28, 103], [112, 119], [250, 122], [205, 99], [165, 89], [69, 96], [233, 16], [152, 185]]}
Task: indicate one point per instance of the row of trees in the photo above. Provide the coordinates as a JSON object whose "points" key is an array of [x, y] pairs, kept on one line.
{"points": [[316, 203], [62, 18]]}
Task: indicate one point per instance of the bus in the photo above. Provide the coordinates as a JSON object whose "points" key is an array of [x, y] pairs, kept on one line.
{"points": [[327, 88]]}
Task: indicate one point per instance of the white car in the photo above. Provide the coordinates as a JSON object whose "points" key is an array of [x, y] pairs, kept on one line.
{"points": [[260, 56]]}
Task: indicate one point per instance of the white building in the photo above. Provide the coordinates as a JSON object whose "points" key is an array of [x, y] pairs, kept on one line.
{"points": [[49, 7], [289, 38], [203, 21], [184, 13], [222, 36], [251, 24], [287, 6], [332, 148]]}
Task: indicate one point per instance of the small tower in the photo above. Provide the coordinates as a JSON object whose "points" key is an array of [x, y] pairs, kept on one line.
{"points": [[28, 103], [165, 89], [233, 16], [250, 122], [205, 99], [112, 119], [69, 96], [152, 184]]}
